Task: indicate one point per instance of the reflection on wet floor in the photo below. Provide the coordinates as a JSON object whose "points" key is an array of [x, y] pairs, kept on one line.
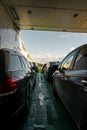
{"points": [[46, 113]]}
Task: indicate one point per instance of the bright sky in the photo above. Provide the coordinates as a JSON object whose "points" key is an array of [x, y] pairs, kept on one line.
{"points": [[51, 44]]}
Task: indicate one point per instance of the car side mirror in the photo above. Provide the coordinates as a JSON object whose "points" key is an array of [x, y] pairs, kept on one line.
{"points": [[56, 72]]}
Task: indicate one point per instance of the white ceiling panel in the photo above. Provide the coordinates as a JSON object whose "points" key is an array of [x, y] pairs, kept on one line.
{"points": [[55, 15]]}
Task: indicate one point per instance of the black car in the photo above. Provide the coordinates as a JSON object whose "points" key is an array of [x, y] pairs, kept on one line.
{"points": [[70, 83], [14, 83], [52, 66]]}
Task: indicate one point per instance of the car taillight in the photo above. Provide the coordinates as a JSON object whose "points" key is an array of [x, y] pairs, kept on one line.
{"points": [[8, 85]]}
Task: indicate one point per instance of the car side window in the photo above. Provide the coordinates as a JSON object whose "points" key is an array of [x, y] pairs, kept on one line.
{"points": [[81, 60], [24, 62], [29, 64], [66, 64], [14, 62]]}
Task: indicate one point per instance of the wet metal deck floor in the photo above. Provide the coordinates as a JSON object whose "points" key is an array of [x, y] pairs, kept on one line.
{"points": [[43, 114], [46, 112]]}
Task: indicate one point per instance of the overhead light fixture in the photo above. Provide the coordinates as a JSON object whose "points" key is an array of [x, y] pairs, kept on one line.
{"points": [[29, 12], [76, 15], [14, 14], [32, 28], [64, 30]]}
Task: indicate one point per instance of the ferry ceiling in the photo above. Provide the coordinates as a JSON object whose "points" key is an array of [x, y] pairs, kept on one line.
{"points": [[47, 15]]}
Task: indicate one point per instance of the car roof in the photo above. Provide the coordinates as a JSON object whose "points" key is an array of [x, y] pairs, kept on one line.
{"points": [[12, 51]]}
